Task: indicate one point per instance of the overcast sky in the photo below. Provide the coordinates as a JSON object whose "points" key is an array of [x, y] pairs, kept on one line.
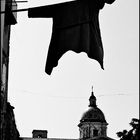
{"points": [[57, 102]]}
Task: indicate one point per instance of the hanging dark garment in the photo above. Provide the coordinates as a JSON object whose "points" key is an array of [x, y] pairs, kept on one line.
{"points": [[75, 27]]}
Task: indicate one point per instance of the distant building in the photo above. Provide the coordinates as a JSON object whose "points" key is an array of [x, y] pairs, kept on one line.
{"points": [[92, 126], [8, 129]]}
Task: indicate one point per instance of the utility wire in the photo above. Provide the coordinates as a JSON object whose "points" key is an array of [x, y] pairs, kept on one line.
{"points": [[69, 97]]}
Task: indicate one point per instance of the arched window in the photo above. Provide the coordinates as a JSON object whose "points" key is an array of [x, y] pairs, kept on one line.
{"points": [[95, 132], [87, 133]]}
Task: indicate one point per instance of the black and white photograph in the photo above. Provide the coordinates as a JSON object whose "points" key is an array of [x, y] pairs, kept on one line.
{"points": [[69, 70]]}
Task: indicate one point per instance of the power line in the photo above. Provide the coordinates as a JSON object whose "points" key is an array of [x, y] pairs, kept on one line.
{"points": [[69, 97]]}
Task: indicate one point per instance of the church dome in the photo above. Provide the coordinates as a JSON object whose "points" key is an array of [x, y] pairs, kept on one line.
{"points": [[93, 124], [93, 114]]}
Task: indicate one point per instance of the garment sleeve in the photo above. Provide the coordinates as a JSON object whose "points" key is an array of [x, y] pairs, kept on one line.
{"points": [[42, 12], [99, 3]]}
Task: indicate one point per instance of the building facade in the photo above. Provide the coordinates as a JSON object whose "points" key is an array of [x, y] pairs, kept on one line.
{"points": [[92, 126], [8, 130]]}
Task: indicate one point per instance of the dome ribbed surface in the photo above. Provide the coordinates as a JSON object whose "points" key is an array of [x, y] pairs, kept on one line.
{"points": [[93, 114]]}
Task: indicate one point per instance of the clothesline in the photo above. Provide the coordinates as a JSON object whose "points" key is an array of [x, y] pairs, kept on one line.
{"points": [[16, 1], [18, 10], [26, 9]]}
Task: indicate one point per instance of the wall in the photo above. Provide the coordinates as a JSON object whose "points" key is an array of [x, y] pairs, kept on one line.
{"points": [[7, 124]]}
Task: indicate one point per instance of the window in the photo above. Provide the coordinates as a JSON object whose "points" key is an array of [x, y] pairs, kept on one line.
{"points": [[95, 132]]}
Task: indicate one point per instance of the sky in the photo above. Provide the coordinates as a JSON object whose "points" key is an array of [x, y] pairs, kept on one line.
{"points": [[56, 102]]}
